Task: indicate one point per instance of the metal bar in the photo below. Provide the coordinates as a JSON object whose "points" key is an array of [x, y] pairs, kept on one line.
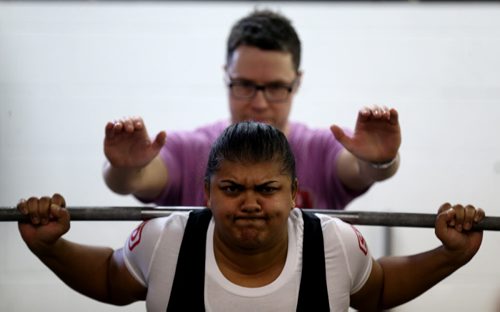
{"points": [[398, 219]]}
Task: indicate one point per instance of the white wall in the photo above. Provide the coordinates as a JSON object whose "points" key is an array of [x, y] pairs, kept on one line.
{"points": [[66, 69]]}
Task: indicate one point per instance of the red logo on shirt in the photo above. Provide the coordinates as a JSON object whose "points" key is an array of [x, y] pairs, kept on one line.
{"points": [[361, 241], [135, 237]]}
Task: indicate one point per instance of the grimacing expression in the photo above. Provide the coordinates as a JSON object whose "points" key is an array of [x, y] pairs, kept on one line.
{"points": [[262, 67], [250, 204]]}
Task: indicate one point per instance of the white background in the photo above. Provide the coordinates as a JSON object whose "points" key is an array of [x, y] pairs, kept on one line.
{"points": [[67, 68]]}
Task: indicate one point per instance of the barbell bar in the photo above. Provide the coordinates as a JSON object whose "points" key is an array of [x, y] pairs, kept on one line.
{"points": [[135, 213]]}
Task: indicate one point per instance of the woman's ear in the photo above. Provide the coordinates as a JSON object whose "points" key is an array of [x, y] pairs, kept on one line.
{"points": [[295, 187], [207, 193]]}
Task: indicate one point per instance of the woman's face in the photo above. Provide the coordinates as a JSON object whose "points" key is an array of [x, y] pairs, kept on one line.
{"points": [[250, 204]]}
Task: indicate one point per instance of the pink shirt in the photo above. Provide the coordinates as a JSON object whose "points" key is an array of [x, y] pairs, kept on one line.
{"points": [[316, 150]]}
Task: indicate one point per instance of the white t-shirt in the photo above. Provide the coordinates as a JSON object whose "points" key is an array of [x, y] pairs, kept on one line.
{"points": [[152, 249]]}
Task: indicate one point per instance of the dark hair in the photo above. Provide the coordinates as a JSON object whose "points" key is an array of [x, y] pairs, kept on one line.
{"points": [[265, 30], [251, 142]]}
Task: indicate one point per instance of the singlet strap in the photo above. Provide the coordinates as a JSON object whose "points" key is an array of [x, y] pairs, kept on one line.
{"points": [[189, 281], [313, 293]]}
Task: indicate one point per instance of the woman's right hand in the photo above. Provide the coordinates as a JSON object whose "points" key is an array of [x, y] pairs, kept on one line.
{"points": [[47, 221]]}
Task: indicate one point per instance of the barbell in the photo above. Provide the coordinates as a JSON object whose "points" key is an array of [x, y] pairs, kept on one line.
{"points": [[137, 213]]}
